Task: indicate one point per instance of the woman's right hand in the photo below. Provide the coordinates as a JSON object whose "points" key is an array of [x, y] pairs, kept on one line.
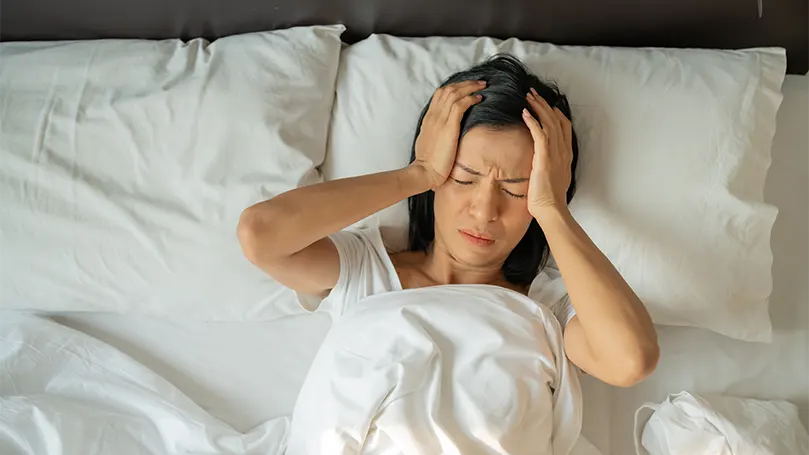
{"points": [[437, 141]]}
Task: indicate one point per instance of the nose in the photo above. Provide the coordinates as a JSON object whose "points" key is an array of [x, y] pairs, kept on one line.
{"points": [[484, 205]]}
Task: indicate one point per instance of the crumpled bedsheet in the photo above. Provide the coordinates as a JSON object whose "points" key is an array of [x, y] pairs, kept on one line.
{"points": [[63, 392]]}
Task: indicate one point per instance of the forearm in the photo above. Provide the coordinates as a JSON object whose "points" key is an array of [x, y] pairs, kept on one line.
{"points": [[293, 220], [616, 325]]}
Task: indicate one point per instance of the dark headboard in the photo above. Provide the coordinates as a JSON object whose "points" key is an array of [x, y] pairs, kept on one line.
{"points": [[669, 23]]}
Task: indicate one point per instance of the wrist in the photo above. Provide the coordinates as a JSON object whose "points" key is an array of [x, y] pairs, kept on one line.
{"points": [[416, 179], [551, 215]]}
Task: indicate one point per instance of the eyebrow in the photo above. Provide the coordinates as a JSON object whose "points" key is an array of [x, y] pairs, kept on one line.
{"points": [[474, 172]]}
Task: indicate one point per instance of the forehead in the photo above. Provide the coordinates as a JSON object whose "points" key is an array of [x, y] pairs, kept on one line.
{"points": [[508, 149]]}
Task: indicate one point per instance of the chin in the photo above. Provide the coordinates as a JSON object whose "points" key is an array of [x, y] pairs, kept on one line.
{"points": [[475, 255]]}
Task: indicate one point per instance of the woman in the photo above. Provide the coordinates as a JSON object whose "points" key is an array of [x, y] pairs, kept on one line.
{"points": [[489, 182]]}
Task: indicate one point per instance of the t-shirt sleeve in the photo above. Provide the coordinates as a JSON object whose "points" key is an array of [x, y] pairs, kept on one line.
{"points": [[563, 311], [549, 289], [364, 268]]}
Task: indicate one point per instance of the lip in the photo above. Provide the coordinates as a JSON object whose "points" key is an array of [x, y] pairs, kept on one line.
{"points": [[476, 239]]}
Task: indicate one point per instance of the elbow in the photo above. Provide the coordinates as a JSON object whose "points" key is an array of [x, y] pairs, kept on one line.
{"points": [[638, 366], [249, 231]]}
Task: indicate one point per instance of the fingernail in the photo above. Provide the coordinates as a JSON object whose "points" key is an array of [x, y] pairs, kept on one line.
{"points": [[534, 91], [525, 112], [482, 82], [529, 95]]}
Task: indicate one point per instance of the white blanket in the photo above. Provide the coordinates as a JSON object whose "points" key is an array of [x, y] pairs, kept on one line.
{"points": [[63, 392], [454, 369]]}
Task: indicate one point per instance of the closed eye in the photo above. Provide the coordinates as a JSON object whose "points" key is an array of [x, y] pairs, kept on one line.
{"points": [[509, 193]]}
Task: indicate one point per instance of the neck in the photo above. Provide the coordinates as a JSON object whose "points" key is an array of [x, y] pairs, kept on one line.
{"points": [[441, 266]]}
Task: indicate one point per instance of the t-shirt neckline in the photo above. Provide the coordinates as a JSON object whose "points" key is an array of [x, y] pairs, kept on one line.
{"points": [[397, 282]]}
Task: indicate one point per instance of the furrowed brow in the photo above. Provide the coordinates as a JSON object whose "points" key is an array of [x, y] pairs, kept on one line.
{"points": [[474, 172], [468, 169]]}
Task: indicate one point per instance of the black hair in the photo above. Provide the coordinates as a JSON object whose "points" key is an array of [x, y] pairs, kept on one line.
{"points": [[507, 83]]}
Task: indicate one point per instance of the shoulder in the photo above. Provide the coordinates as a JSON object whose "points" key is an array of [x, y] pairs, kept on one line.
{"points": [[360, 249], [365, 266], [365, 236], [548, 289]]}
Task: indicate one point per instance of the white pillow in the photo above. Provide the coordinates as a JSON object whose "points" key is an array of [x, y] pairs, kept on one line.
{"points": [[675, 145], [126, 164]]}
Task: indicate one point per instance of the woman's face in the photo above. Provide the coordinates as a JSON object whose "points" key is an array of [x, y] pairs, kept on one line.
{"points": [[485, 196]]}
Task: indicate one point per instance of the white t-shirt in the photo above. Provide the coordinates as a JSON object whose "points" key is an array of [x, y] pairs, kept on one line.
{"points": [[366, 269], [467, 369]]}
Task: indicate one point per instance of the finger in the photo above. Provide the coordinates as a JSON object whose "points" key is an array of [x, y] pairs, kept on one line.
{"points": [[462, 105], [541, 110], [460, 90], [546, 116], [548, 110], [444, 97], [537, 133]]}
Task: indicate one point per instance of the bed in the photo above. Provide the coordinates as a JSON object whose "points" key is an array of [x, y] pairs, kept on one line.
{"points": [[194, 356], [272, 357]]}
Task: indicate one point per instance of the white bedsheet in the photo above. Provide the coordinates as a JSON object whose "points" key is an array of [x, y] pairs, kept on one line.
{"points": [[64, 392], [242, 373], [246, 373]]}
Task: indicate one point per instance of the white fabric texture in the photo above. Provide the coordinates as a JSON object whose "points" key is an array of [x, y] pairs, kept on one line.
{"points": [[126, 164], [366, 269], [705, 363], [455, 369], [687, 424], [444, 369], [64, 392], [675, 145], [272, 357]]}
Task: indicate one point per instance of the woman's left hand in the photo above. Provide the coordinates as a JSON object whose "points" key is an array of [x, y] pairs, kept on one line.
{"points": [[553, 155]]}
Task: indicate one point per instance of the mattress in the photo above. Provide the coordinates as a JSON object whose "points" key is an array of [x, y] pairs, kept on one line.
{"points": [[247, 373]]}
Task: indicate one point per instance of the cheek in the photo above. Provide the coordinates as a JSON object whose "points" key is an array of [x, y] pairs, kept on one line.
{"points": [[516, 219], [448, 201], [520, 210]]}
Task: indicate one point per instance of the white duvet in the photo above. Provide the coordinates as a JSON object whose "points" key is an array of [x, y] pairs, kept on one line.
{"points": [[410, 379], [454, 369]]}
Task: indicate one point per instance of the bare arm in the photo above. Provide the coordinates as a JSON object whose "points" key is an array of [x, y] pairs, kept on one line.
{"points": [[612, 336], [286, 236]]}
